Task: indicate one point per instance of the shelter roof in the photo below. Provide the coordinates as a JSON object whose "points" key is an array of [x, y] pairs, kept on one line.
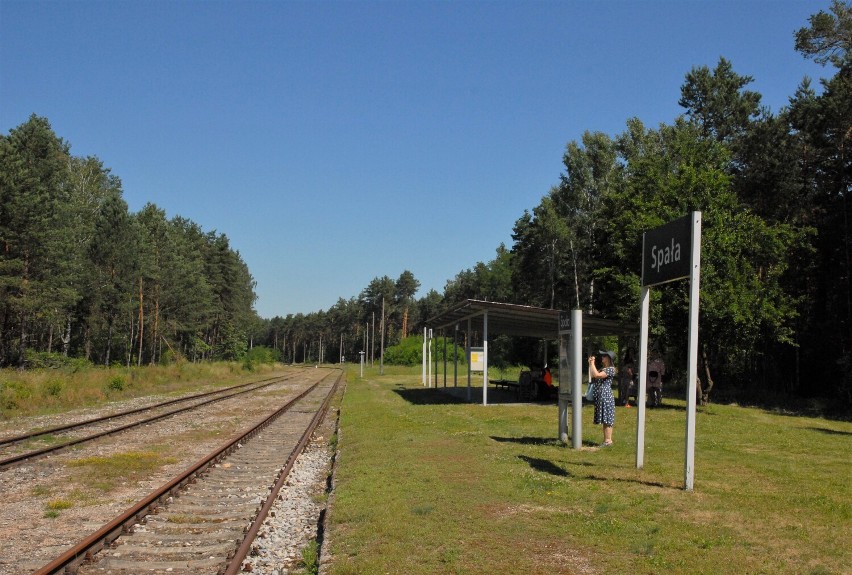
{"points": [[520, 320]]}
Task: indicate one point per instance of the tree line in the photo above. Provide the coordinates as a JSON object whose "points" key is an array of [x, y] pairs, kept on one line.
{"points": [[773, 188], [83, 277]]}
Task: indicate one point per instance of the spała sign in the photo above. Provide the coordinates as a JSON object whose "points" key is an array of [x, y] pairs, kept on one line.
{"points": [[666, 252]]}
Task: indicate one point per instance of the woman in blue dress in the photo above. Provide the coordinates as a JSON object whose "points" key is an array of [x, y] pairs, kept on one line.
{"points": [[604, 400]]}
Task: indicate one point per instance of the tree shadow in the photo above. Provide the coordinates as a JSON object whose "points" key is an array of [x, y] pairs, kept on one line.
{"points": [[545, 466]]}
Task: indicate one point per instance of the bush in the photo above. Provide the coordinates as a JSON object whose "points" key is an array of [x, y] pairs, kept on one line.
{"points": [[53, 388], [44, 360], [259, 355], [410, 352], [116, 383]]}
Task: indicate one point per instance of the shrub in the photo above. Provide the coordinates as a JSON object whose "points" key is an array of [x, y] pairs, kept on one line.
{"points": [[410, 352], [44, 360], [116, 383], [53, 388]]}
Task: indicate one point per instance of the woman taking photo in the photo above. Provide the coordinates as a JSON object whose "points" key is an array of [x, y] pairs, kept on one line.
{"points": [[604, 400]]}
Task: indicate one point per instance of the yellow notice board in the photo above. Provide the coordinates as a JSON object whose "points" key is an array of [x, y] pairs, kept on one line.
{"points": [[477, 359]]}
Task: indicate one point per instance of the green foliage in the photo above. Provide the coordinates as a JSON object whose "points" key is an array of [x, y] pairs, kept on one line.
{"points": [[407, 352], [80, 274], [117, 383], [829, 38], [310, 558], [262, 354], [47, 360], [410, 351], [78, 271]]}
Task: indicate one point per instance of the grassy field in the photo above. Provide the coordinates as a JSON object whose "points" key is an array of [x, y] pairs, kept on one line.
{"points": [[46, 391], [426, 484]]}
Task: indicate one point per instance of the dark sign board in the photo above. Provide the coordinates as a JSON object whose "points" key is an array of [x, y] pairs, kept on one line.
{"points": [[666, 252]]}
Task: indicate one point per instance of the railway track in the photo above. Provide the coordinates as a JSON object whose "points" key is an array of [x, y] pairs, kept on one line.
{"points": [[205, 519], [18, 449]]}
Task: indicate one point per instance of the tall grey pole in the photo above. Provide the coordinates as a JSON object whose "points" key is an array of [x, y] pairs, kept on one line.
{"points": [[643, 378], [577, 378], [423, 363], [692, 367], [485, 358], [429, 362]]}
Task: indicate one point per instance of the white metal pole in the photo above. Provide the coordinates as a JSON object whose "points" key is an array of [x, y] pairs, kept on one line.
{"points": [[692, 369], [429, 347], [643, 378], [562, 429], [485, 359], [577, 378], [423, 371]]}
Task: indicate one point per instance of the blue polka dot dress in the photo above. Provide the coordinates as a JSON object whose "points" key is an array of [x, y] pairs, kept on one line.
{"points": [[604, 400]]}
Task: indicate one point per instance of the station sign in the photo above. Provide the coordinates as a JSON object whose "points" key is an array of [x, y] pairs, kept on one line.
{"points": [[666, 252]]}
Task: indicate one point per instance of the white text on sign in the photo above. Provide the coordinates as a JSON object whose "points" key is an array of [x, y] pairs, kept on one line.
{"points": [[663, 256]]}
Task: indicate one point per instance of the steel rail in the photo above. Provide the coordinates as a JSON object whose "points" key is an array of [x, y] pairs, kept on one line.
{"points": [[85, 550], [11, 461], [235, 564], [69, 426]]}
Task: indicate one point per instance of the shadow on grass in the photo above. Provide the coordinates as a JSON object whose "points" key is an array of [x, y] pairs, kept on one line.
{"points": [[545, 466], [637, 481], [665, 407], [453, 395], [538, 441], [829, 431], [529, 440], [428, 396]]}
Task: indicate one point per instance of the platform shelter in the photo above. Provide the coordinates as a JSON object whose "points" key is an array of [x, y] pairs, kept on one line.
{"points": [[494, 318]]}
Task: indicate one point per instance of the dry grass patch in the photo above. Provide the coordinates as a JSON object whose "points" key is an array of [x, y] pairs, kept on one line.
{"points": [[106, 473]]}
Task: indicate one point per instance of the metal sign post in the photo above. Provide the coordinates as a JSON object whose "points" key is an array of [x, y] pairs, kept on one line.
{"points": [[570, 360], [671, 252]]}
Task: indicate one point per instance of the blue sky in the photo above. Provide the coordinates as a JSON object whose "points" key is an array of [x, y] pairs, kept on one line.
{"points": [[335, 142]]}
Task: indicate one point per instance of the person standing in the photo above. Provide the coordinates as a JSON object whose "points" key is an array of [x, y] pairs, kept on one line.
{"points": [[604, 400]]}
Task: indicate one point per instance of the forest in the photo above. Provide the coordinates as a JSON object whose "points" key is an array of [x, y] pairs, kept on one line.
{"points": [[83, 279]]}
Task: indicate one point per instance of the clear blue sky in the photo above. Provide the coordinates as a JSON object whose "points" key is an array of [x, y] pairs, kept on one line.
{"points": [[335, 142]]}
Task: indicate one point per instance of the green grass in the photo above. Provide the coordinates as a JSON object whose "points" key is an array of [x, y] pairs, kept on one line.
{"points": [[105, 473], [53, 507], [428, 485]]}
